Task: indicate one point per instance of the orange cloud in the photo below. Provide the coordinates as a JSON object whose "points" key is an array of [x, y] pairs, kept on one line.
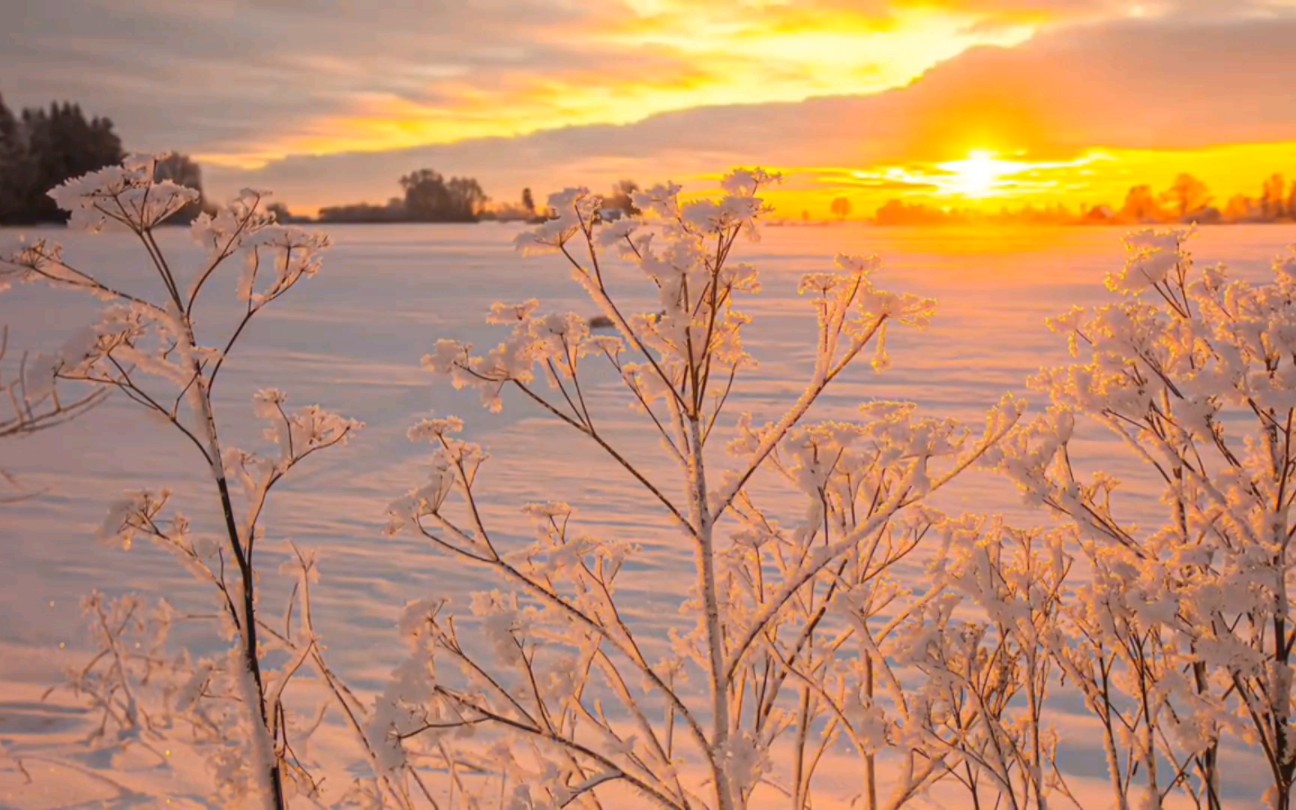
{"points": [[465, 71], [1156, 94], [240, 83]]}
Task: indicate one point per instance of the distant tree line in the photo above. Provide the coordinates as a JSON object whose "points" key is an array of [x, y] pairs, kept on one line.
{"points": [[428, 197], [1187, 200], [42, 147], [1190, 200], [618, 202]]}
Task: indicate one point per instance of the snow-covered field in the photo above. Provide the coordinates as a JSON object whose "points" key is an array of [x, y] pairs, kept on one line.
{"points": [[351, 340]]}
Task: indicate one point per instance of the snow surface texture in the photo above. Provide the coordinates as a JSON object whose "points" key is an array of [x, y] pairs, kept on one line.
{"points": [[351, 340]]}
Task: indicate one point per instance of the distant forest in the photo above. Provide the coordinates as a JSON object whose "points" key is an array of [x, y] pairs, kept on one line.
{"points": [[42, 147], [1188, 200], [429, 197]]}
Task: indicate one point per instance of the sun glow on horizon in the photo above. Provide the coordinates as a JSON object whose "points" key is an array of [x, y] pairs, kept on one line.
{"points": [[980, 175], [982, 178]]}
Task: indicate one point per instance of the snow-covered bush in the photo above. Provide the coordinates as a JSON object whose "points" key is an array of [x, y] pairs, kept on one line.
{"points": [[151, 348], [782, 645], [1182, 635]]}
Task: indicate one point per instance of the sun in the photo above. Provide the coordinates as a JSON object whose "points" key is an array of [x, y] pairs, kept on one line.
{"points": [[978, 176]]}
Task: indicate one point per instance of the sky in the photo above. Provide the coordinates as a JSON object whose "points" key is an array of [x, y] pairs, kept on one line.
{"points": [[952, 102]]}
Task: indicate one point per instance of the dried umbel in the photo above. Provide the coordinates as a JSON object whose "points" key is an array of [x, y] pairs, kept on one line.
{"points": [[833, 611], [149, 347], [560, 670]]}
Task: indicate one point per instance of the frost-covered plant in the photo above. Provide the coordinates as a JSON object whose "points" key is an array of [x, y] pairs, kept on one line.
{"points": [[1184, 635], [574, 700], [834, 645], [32, 408], [152, 348], [28, 408], [983, 642]]}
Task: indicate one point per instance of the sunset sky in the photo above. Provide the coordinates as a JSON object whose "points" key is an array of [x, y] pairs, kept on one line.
{"points": [[955, 102]]}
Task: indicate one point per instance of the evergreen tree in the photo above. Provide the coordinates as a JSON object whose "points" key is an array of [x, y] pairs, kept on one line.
{"points": [[62, 144], [14, 178]]}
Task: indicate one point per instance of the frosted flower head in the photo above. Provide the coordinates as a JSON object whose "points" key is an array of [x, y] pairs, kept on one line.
{"points": [[662, 200], [267, 402], [549, 510], [135, 513], [574, 209], [125, 195], [508, 314], [713, 217], [20, 259], [1285, 268], [1153, 254], [747, 181], [433, 430]]}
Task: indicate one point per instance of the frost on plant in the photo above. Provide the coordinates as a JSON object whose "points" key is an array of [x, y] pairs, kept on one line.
{"points": [[149, 347], [834, 613], [1182, 638], [30, 399], [781, 650]]}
